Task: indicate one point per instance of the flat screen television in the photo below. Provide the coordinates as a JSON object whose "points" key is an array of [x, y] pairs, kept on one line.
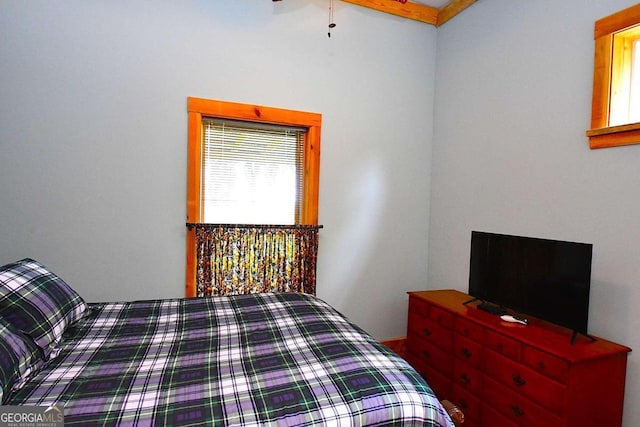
{"points": [[547, 279]]}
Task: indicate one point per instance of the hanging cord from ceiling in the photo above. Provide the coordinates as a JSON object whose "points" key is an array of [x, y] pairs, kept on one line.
{"points": [[331, 23]]}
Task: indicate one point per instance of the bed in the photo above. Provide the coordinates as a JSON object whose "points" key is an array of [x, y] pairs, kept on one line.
{"points": [[258, 359]]}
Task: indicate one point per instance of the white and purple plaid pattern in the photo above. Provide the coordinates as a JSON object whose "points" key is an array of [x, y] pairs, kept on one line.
{"points": [[19, 358], [251, 360], [38, 303]]}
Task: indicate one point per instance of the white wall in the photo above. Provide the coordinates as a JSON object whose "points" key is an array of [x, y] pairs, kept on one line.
{"points": [[93, 142], [93, 129], [513, 100]]}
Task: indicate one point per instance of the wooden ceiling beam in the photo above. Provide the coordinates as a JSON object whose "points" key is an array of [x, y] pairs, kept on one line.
{"points": [[416, 11]]}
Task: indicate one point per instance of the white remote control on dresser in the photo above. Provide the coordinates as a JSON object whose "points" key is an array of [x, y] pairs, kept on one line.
{"points": [[512, 319]]}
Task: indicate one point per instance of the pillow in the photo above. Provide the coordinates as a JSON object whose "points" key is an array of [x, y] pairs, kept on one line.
{"points": [[19, 359], [38, 303]]}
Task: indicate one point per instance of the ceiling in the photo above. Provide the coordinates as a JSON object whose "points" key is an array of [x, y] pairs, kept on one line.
{"points": [[434, 12], [433, 3]]}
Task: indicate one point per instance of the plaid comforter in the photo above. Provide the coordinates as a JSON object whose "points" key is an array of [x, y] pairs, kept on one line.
{"points": [[267, 359]]}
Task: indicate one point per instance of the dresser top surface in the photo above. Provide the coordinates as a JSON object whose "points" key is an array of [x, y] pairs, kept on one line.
{"points": [[538, 333]]}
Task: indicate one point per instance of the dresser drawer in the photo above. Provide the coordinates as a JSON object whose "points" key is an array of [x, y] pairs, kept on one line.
{"points": [[467, 350], [467, 402], [517, 407], [439, 384], [430, 355], [503, 345], [468, 377], [492, 418], [443, 317], [525, 381], [431, 331], [417, 306], [470, 330], [546, 364]]}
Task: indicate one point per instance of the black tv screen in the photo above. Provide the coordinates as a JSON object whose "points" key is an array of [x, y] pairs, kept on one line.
{"points": [[548, 279]]}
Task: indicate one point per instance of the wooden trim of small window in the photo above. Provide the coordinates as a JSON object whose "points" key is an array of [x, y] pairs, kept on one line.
{"points": [[601, 134], [614, 136], [199, 108]]}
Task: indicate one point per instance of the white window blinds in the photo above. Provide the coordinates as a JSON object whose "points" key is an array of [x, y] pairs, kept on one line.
{"points": [[252, 173], [634, 97]]}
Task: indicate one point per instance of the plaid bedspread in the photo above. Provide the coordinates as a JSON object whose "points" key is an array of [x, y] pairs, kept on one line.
{"points": [[254, 360]]}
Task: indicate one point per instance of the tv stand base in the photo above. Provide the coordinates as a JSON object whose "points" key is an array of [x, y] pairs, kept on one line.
{"points": [[575, 334], [488, 307], [491, 308]]}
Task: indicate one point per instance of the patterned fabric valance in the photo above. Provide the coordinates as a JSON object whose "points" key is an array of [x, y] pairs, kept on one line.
{"points": [[242, 259]]}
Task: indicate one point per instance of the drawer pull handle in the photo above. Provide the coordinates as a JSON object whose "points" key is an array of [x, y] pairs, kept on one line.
{"points": [[465, 379], [517, 411], [427, 332], [518, 380], [466, 353]]}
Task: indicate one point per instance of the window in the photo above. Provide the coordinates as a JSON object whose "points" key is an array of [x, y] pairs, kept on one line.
{"points": [[615, 116], [252, 172], [250, 165], [634, 93], [624, 78]]}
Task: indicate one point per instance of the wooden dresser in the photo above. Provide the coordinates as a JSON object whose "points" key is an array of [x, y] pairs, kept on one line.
{"points": [[504, 374]]}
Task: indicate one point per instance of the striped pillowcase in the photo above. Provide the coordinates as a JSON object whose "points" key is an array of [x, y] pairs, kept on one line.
{"points": [[19, 359], [38, 303]]}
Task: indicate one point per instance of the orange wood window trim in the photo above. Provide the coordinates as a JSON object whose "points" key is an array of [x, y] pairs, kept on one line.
{"points": [[199, 108], [614, 136], [601, 134]]}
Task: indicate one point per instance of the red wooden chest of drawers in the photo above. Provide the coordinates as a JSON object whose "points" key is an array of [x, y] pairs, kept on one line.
{"points": [[505, 374]]}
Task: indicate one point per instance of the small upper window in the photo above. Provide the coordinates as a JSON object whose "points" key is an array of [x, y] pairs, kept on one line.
{"points": [[634, 96], [625, 78], [615, 116]]}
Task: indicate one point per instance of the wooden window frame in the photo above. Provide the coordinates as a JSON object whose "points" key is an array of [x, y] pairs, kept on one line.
{"points": [[199, 108], [602, 134]]}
